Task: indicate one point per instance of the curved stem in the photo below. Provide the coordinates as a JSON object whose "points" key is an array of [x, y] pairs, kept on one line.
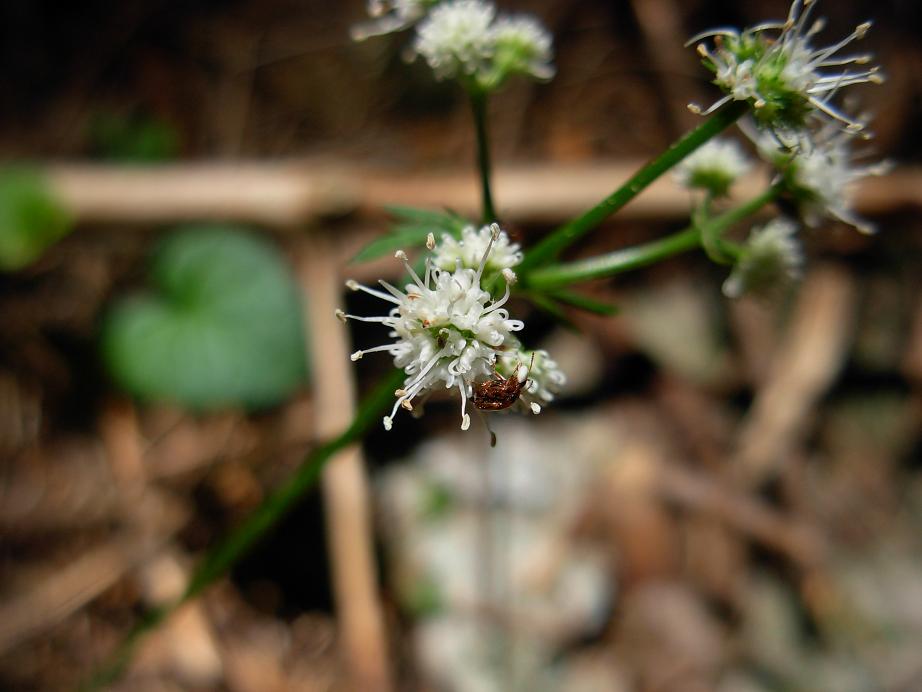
{"points": [[565, 235], [479, 109], [560, 275]]}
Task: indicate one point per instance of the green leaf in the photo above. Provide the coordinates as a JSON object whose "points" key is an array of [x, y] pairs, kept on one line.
{"points": [[221, 327], [586, 303], [31, 219], [411, 230], [426, 216], [399, 237]]}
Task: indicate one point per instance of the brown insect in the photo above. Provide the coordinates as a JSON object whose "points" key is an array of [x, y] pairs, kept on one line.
{"points": [[500, 392]]}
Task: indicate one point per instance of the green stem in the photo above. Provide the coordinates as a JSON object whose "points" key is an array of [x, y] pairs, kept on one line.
{"points": [[223, 556], [560, 275], [565, 235], [479, 109], [716, 248]]}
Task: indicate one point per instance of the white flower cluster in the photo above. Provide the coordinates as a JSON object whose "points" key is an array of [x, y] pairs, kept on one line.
{"points": [[466, 39], [820, 174], [455, 38], [774, 68], [770, 259], [448, 330], [713, 167]]}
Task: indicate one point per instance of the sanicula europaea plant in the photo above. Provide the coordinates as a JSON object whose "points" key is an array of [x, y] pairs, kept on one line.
{"points": [[450, 327]]}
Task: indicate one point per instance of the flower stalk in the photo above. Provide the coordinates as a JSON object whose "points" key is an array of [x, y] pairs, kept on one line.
{"points": [[645, 254], [479, 110], [566, 235]]}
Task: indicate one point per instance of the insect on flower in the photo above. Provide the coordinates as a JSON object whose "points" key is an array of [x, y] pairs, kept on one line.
{"points": [[500, 392]]}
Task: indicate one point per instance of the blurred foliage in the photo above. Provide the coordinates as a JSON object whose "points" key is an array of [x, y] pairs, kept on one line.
{"points": [[221, 327], [30, 218], [410, 230], [132, 138]]}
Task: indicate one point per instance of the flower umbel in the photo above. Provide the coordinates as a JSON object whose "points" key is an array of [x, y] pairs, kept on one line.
{"points": [[455, 39], [448, 329], [465, 40], [770, 259], [774, 68], [714, 167], [820, 174], [522, 46]]}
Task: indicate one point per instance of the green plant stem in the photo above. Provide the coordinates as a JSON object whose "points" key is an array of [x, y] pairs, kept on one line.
{"points": [[479, 109], [223, 556], [565, 235], [561, 275]]}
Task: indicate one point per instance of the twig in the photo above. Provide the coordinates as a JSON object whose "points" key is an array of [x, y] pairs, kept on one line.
{"points": [[804, 366], [345, 486], [287, 194]]}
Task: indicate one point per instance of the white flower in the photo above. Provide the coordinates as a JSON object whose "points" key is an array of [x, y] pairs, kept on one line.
{"points": [[544, 377], [448, 330], [455, 38], [784, 79], [771, 258], [389, 16], [715, 166], [464, 39], [820, 174], [473, 246], [522, 45]]}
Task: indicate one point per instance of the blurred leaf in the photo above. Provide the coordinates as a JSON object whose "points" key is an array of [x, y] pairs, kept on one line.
{"points": [[31, 219], [411, 230], [141, 139], [222, 327]]}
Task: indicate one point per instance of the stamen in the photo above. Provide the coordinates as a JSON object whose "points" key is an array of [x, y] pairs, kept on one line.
{"points": [[340, 315], [402, 256], [356, 286], [860, 31], [397, 293], [494, 234], [430, 241], [358, 355], [465, 418], [720, 31], [499, 303]]}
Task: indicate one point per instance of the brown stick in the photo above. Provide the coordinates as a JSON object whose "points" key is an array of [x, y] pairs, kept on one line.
{"points": [[287, 194], [804, 366], [345, 486]]}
